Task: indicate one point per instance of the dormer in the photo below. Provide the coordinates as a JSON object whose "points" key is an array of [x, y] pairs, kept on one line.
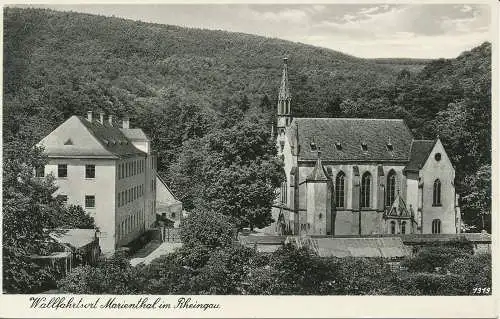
{"points": [[364, 146]]}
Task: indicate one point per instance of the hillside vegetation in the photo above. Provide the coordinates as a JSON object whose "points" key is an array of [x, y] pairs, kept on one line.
{"points": [[181, 84]]}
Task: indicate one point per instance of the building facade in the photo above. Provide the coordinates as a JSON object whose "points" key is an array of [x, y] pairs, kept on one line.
{"points": [[351, 176], [107, 169]]}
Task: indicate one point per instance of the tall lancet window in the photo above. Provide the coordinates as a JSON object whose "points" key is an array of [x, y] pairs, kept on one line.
{"points": [[390, 189], [436, 194], [366, 181], [340, 190]]}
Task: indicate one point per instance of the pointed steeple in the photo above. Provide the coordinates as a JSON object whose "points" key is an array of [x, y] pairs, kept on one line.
{"points": [[318, 173], [284, 93]]}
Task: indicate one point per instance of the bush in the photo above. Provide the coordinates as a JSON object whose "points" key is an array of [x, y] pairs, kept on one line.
{"points": [[209, 229], [362, 276], [298, 271], [430, 258], [429, 284], [168, 275], [476, 271], [224, 272], [109, 276]]}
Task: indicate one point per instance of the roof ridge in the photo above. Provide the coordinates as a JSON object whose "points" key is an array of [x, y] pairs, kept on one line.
{"points": [[81, 119]]}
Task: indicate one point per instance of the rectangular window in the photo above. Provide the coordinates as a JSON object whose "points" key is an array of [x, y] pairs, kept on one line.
{"points": [[135, 168], [90, 171], [89, 201], [122, 170], [40, 171], [119, 199], [119, 171], [62, 170]]}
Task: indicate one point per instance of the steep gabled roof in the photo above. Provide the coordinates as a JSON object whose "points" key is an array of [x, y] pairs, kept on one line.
{"points": [[318, 173], [385, 139], [420, 150], [77, 137], [398, 209], [112, 138]]}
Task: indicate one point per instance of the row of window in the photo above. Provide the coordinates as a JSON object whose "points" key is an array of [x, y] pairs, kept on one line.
{"points": [[131, 168], [393, 227], [89, 200], [130, 223], [62, 171], [390, 190], [130, 195], [436, 227]]}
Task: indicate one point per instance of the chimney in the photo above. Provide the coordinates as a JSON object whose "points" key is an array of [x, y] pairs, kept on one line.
{"points": [[101, 118], [126, 122], [89, 116], [110, 120]]}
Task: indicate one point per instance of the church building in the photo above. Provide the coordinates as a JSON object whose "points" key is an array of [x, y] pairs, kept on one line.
{"points": [[354, 176]]}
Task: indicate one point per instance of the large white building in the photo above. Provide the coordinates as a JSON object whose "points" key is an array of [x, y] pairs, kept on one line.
{"points": [[352, 176], [109, 170]]}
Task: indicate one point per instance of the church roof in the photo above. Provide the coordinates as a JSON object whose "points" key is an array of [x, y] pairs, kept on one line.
{"points": [[420, 150], [385, 247], [351, 139]]}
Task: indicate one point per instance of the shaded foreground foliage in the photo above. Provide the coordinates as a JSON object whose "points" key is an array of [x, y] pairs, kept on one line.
{"points": [[238, 270], [223, 267]]}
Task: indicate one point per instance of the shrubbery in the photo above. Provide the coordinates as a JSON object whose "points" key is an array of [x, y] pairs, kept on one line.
{"points": [[239, 270], [430, 258], [210, 262]]}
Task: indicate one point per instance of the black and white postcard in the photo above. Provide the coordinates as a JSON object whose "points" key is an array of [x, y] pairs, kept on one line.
{"points": [[249, 160]]}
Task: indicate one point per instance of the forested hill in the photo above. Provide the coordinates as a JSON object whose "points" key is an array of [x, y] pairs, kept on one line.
{"points": [[179, 83], [100, 59]]}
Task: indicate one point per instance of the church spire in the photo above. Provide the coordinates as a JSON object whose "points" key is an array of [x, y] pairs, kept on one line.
{"points": [[284, 99], [284, 93]]}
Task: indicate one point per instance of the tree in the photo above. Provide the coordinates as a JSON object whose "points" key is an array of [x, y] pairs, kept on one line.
{"points": [[244, 104], [265, 104], [27, 210], [206, 228], [477, 202], [73, 216], [235, 171], [30, 210]]}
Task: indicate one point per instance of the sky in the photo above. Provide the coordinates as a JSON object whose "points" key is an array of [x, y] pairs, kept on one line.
{"points": [[363, 30]]}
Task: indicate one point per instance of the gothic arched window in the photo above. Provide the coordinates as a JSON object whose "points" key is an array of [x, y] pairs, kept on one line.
{"points": [[436, 194], [365, 190], [393, 227], [403, 228], [436, 226], [390, 190], [340, 190]]}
